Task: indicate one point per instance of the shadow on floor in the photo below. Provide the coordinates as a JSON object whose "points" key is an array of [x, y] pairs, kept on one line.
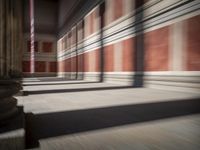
{"points": [[40, 126], [13, 123], [54, 91], [59, 83]]}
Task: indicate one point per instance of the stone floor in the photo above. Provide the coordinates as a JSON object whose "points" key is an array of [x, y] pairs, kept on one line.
{"points": [[85, 115]]}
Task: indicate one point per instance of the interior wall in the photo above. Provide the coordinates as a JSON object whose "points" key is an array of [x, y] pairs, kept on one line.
{"points": [[45, 24], [45, 13], [126, 41]]}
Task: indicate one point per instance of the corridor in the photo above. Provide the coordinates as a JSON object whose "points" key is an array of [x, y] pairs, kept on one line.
{"points": [[99, 75]]}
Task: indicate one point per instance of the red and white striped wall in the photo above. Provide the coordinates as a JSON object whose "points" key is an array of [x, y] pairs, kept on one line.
{"points": [[45, 55], [171, 43]]}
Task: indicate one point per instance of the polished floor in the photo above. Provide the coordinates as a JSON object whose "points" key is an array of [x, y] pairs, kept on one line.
{"points": [[86, 115]]}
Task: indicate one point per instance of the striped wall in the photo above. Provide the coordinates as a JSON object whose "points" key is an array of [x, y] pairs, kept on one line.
{"points": [[158, 39], [45, 55]]}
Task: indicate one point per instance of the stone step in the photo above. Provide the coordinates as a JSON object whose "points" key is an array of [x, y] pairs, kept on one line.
{"points": [[33, 148]]}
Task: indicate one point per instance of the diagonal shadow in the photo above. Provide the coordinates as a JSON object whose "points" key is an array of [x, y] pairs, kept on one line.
{"points": [[39, 126], [26, 93], [139, 45], [101, 50], [35, 84]]}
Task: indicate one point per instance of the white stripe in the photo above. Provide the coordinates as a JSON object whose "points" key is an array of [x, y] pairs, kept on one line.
{"points": [[112, 34]]}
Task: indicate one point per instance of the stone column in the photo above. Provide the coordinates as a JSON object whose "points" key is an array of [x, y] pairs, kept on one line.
{"points": [[2, 38], [8, 104], [11, 116], [10, 38]]}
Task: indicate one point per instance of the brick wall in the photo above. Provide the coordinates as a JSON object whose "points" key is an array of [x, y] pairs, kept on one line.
{"points": [[156, 50], [45, 56], [120, 51], [193, 44]]}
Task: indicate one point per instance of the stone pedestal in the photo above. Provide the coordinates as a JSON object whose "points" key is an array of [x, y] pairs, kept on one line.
{"points": [[11, 117]]}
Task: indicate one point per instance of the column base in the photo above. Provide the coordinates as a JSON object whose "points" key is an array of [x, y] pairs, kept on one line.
{"points": [[12, 132]]}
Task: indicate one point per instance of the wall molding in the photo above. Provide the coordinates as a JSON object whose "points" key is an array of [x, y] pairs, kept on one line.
{"points": [[123, 28], [187, 81]]}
